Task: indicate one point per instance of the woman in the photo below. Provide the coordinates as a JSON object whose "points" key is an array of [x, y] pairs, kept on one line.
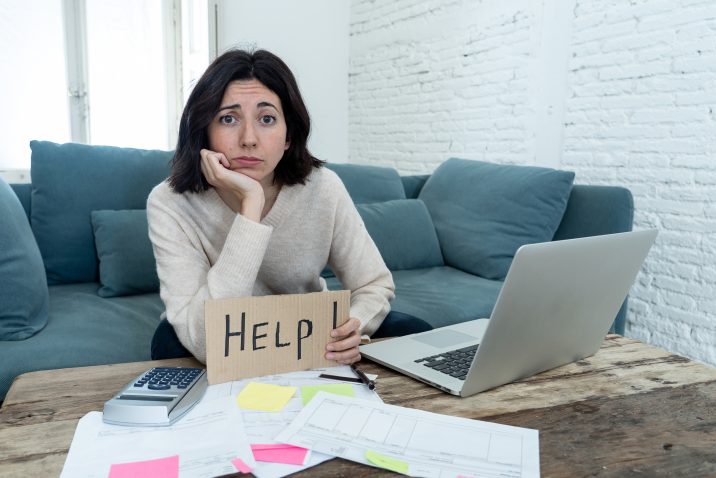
{"points": [[248, 211]]}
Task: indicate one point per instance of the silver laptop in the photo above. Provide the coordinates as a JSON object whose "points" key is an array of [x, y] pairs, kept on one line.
{"points": [[556, 306]]}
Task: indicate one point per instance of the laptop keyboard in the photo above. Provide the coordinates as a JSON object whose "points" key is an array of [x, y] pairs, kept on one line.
{"points": [[455, 363]]}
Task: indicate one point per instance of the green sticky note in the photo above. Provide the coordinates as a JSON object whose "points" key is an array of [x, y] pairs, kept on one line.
{"points": [[386, 462], [308, 391], [265, 397]]}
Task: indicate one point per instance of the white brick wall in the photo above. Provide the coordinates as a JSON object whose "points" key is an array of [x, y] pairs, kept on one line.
{"points": [[432, 79], [641, 112], [447, 81]]}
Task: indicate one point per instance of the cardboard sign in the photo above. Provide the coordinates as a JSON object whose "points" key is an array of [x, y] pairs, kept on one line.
{"points": [[255, 336]]}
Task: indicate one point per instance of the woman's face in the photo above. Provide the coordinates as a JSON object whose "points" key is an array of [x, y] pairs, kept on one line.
{"points": [[250, 130]]}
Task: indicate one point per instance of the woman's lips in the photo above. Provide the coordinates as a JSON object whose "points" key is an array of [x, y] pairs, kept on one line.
{"points": [[247, 161]]}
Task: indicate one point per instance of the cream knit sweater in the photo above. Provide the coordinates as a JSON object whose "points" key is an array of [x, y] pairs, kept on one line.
{"points": [[204, 250]]}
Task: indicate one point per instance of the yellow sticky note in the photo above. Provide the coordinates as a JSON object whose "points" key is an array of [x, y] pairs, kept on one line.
{"points": [[265, 397], [308, 391], [386, 462]]}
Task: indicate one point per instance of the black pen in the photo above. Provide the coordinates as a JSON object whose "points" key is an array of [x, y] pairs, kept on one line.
{"points": [[341, 378], [363, 378]]}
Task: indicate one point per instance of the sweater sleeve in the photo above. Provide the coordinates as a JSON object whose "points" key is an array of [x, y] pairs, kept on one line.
{"points": [[357, 263], [186, 276]]}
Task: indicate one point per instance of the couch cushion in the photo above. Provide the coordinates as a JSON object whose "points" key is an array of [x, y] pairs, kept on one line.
{"points": [[439, 296], [404, 233], [71, 180], [484, 212], [23, 295], [367, 184], [126, 261], [444, 295], [84, 329]]}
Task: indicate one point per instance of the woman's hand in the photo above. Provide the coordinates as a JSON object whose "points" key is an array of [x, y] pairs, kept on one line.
{"points": [[345, 349], [247, 193]]}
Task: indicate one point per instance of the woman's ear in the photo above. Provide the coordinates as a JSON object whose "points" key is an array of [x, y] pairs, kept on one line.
{"points": [[288, 144]]}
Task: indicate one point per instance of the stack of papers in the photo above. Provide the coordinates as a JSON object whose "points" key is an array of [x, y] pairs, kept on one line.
{"points": [[277, 425], [217, 437]]}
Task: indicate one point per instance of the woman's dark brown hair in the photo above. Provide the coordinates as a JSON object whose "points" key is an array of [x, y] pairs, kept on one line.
{"points": [[205, 100]]}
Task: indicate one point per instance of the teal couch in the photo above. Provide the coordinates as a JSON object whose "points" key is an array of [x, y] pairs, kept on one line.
{"points": [[78, 281]]}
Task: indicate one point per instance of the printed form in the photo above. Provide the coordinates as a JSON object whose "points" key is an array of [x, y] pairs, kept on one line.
{"points": [[413, 442]]}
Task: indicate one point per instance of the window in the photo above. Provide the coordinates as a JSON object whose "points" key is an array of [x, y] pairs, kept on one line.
{"points": [[33, 83], [127, 74], [105, 72]]}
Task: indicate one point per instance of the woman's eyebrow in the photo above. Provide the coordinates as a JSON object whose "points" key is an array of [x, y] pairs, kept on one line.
{"points": [[237, 106], [261, 104]]}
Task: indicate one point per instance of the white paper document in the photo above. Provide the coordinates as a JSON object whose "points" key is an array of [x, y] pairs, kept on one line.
{"points": [[414, 442], [206, 440], [262, 427]]}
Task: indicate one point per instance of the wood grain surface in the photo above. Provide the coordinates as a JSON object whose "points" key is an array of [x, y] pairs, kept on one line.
{"points": [[629, 410]]}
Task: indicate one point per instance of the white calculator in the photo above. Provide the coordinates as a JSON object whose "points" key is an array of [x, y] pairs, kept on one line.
{"points": [[158, 397]]}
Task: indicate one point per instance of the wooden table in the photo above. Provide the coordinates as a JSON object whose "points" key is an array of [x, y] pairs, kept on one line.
{"points": [[630, 410]]}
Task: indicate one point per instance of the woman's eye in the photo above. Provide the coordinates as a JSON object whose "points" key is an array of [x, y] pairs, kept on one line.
{"points": [[227, 119], [267, 119]]}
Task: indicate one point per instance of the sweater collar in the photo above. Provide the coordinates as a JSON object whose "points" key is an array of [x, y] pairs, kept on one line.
{"points": [[285, 201]]}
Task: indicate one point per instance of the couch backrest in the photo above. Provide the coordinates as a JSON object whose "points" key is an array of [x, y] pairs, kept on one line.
{"points": [[69, 181], [369, 184], [413, 184], [591, 210]]}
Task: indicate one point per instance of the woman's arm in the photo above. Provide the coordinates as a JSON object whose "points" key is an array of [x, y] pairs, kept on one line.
{"points": [[357, 263], [187, 277]]}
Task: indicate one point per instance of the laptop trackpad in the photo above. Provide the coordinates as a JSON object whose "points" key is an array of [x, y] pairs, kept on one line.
{"points": [[444, 338]]}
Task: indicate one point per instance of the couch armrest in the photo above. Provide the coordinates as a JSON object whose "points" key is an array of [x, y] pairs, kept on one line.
{"points": [[597, 210]]}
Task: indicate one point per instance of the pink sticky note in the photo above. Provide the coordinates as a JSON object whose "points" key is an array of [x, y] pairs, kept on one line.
{"points": [[278, 453], [241, 466], [160, 468]]}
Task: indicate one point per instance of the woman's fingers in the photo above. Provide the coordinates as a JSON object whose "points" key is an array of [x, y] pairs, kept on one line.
{"points": [[346, 356], [351, 325], [218, 173], [349, 359], [344, 344], [212, 165], [345, 349]]}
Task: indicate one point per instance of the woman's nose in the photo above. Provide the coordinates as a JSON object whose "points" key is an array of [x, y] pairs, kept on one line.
{"points": [[248, 135]]}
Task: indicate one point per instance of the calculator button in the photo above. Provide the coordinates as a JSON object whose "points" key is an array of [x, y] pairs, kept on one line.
{"points": [[159, 386]]}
